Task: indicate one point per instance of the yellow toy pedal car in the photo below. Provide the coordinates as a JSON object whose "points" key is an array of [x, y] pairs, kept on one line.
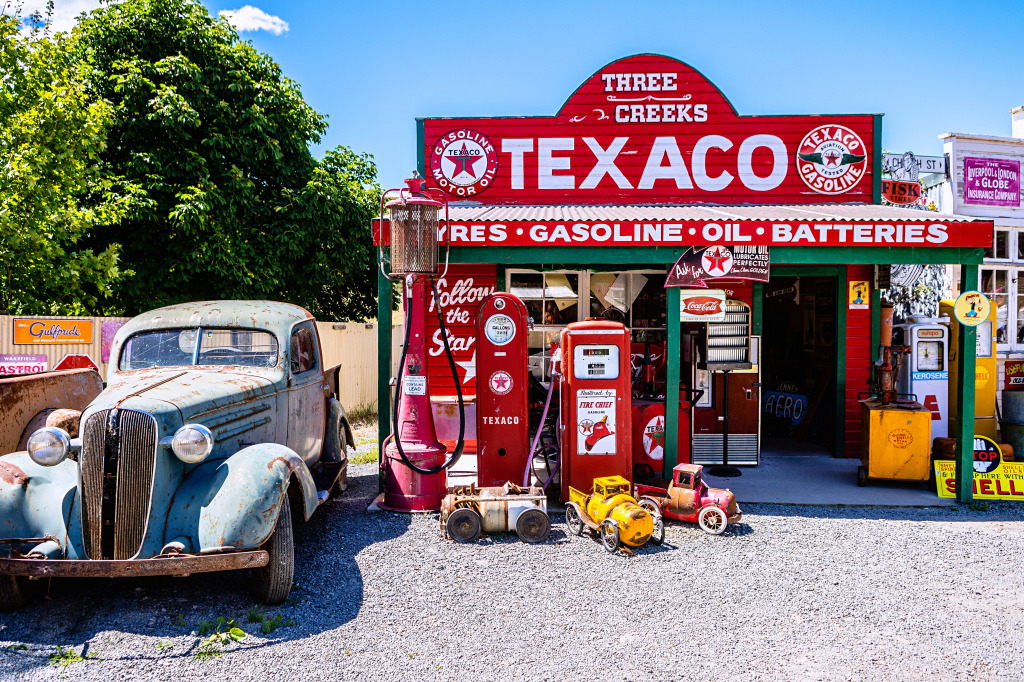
{"points": [[614, 514]]}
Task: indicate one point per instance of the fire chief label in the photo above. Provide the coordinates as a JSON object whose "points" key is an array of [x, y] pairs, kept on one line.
{"points": [[831, 159], [595, 421], [463, 162]]}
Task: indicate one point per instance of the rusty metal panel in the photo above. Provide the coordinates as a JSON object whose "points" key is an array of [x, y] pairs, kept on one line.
{"points": [[24, 396], [183, 565]]}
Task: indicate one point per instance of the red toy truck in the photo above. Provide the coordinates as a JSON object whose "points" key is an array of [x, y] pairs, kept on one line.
{"points": [[689, 499]]}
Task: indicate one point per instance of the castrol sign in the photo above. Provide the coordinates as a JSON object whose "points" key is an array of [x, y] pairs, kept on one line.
{"points": [[702, 305]]}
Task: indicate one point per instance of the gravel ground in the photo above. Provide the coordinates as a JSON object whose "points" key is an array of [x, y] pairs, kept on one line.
{"points": [[791, 593]]}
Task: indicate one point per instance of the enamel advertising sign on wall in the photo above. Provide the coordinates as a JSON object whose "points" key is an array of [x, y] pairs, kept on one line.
{"points": [[651, 129]]}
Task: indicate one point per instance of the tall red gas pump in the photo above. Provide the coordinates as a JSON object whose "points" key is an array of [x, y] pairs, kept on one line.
{"points": [[595, 404], [414, 460], [502, 416]]}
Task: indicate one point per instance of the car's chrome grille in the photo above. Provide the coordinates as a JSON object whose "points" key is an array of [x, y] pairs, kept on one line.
{"points": [[117, 463]]}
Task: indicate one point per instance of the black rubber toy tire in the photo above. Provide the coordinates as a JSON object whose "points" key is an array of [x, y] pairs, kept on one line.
{"points": [[862, 476], [272, 583], [464, 525], [533, 526], [17, 591]]}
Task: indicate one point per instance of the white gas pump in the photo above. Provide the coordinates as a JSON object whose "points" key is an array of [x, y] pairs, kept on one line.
{"points": [[926, 372]]}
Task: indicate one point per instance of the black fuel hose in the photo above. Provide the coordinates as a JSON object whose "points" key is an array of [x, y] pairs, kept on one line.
{"points": [[457, 453]]}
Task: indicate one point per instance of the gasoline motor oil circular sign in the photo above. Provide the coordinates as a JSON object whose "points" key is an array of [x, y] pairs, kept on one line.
{"points": [[831, 159], [463, 162]]}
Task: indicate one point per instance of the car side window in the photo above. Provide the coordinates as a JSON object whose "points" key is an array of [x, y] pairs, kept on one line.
{"points": [[303, 351]]}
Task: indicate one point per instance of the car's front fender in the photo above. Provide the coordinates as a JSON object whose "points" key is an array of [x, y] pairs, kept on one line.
{"points": [[234, 502], [36, 501]]}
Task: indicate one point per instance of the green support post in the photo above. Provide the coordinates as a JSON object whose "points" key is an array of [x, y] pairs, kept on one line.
{"points": [[383, 368], [672, 383], [966, 351]]}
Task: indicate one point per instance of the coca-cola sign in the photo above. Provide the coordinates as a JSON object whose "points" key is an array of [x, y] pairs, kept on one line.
{"points": [[702, 305]]}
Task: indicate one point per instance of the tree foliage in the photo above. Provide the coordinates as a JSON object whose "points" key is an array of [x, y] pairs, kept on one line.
{"points": [[218, 139], [56, 191]]}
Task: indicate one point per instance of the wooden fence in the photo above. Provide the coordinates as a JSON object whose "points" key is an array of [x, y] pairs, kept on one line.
{"points": [[353, 345]]}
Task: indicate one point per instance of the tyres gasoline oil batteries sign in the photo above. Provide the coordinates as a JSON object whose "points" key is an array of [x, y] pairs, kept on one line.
{"points": [[595, 420]]}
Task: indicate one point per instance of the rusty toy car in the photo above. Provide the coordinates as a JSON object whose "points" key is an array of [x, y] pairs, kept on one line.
{"points": [[689, 499], [218, 424], [613, 513], [466, 511]]}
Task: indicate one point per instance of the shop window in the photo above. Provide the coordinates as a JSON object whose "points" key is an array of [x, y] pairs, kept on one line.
{"points": [[1001, 248], [995, 283], [552, 301]]}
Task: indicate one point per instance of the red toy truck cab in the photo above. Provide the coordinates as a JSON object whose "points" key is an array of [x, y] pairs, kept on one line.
{"points": [[689, 499]]}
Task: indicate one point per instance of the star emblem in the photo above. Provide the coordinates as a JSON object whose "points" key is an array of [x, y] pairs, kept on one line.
{"points": [[462, 158], [832, 158], [469, 366], [500, 382], [717, 261]]}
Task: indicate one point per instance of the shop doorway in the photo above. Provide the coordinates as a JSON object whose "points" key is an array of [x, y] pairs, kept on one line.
{"points": [[799, 345]]}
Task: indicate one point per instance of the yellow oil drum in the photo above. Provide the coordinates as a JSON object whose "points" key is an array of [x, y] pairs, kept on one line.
{"points": [[986, 378], [895, 442]]}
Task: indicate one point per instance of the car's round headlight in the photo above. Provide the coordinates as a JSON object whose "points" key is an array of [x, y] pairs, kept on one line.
{"points": [[192, 443], [49, 446]]}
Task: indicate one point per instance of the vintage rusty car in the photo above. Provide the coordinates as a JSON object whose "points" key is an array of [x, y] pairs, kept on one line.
{"points": [[689, 499], [217, 425]]}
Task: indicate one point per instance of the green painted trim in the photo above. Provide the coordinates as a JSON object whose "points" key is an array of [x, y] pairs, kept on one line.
{"points": [[842, 282], [501, 279], [664, 256], [876, 166], [421, 147], [383, 369], [876, 322], [807, 271], [674, 333], [965, 370], [756, 308]]}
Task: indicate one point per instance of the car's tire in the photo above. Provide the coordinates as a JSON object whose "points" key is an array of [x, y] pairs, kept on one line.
{"points": [[610, 536], [862, 476], [17, 591], [464, 525], [573, 520], [658, 536], [712, 520], [533, 526], [272, 583]]}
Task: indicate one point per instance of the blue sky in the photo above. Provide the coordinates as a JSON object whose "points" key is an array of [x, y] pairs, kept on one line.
{"points": [[930, 67]]}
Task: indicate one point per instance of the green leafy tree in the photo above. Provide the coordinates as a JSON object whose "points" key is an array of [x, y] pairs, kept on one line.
{"points": [[55, 189], [219, 140]]}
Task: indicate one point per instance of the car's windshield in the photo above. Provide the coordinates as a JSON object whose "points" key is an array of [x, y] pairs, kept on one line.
{"points": [[178, 348]]}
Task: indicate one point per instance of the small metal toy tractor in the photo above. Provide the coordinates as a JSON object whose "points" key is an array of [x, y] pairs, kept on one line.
{"points": [[689, 499], [467, 511], [613, 513]]}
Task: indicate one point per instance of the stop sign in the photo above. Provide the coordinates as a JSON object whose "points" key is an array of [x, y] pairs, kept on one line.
{"points": [[77, 361]]}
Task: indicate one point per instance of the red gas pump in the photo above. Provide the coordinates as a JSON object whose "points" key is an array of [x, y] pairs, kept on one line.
{"points": [[596, 399], [502, 417], [414, 460]]}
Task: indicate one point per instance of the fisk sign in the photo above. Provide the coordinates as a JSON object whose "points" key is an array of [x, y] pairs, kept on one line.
{"points": [[651, 129]]}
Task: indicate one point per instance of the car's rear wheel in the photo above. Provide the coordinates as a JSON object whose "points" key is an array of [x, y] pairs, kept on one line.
{"points": [[272, 583], [533, 526], [464, 525], [16, 591], [712, 520]]}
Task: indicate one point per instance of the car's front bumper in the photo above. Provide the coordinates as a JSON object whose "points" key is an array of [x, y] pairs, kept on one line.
{"points": [[109, 568]]}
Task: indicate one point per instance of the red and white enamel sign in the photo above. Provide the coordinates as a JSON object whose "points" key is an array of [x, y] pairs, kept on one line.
{"points": [[651, 129], [702, 305]]}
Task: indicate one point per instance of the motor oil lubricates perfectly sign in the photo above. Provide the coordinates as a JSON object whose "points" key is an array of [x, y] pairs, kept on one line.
{"points": [[36, 331], [994, 479], [595, 420]]}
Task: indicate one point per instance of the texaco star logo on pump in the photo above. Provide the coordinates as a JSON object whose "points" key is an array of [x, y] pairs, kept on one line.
{"points": [[501, 382], [463, 163], [831, 159]]}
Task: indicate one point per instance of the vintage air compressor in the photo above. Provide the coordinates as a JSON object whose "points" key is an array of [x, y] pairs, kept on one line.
{"points": [[925, 372], [595, 404]]}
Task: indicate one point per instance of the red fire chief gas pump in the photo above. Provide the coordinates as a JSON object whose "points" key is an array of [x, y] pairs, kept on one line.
{"points": [[502, 418], [596, 398]]}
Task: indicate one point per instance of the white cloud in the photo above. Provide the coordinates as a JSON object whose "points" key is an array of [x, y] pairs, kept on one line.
{"points": [[65, 12], [251, 18]]}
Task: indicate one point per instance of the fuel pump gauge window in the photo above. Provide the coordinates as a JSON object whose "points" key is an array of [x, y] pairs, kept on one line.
{"points": [[596, 362], [929, 356]]}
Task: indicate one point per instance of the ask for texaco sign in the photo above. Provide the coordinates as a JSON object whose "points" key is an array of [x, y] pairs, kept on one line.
{"points": [[651, 129]]}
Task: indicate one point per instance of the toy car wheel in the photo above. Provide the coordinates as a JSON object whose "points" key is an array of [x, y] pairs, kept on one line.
{"points": [[658, 536], [463, 525], [573, 520], [652, 507], [533, 526], [712, 520], [610, 536], [17, 591], [862, 476], [272, 583]]}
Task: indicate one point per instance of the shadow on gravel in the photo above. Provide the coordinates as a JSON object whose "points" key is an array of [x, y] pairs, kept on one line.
{"points": [[986, 510], [165, 615]]}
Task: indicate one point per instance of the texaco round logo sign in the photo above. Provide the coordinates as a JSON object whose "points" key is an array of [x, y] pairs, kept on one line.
{"points": [[500, 382], [831, 159], [463, 163], [716, 261]]}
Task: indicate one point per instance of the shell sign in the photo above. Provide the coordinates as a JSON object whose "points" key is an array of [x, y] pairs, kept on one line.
{"points": [[33, 331]]}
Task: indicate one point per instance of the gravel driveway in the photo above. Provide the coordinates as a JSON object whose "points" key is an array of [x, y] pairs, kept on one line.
{"points": [[792, 593]]}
